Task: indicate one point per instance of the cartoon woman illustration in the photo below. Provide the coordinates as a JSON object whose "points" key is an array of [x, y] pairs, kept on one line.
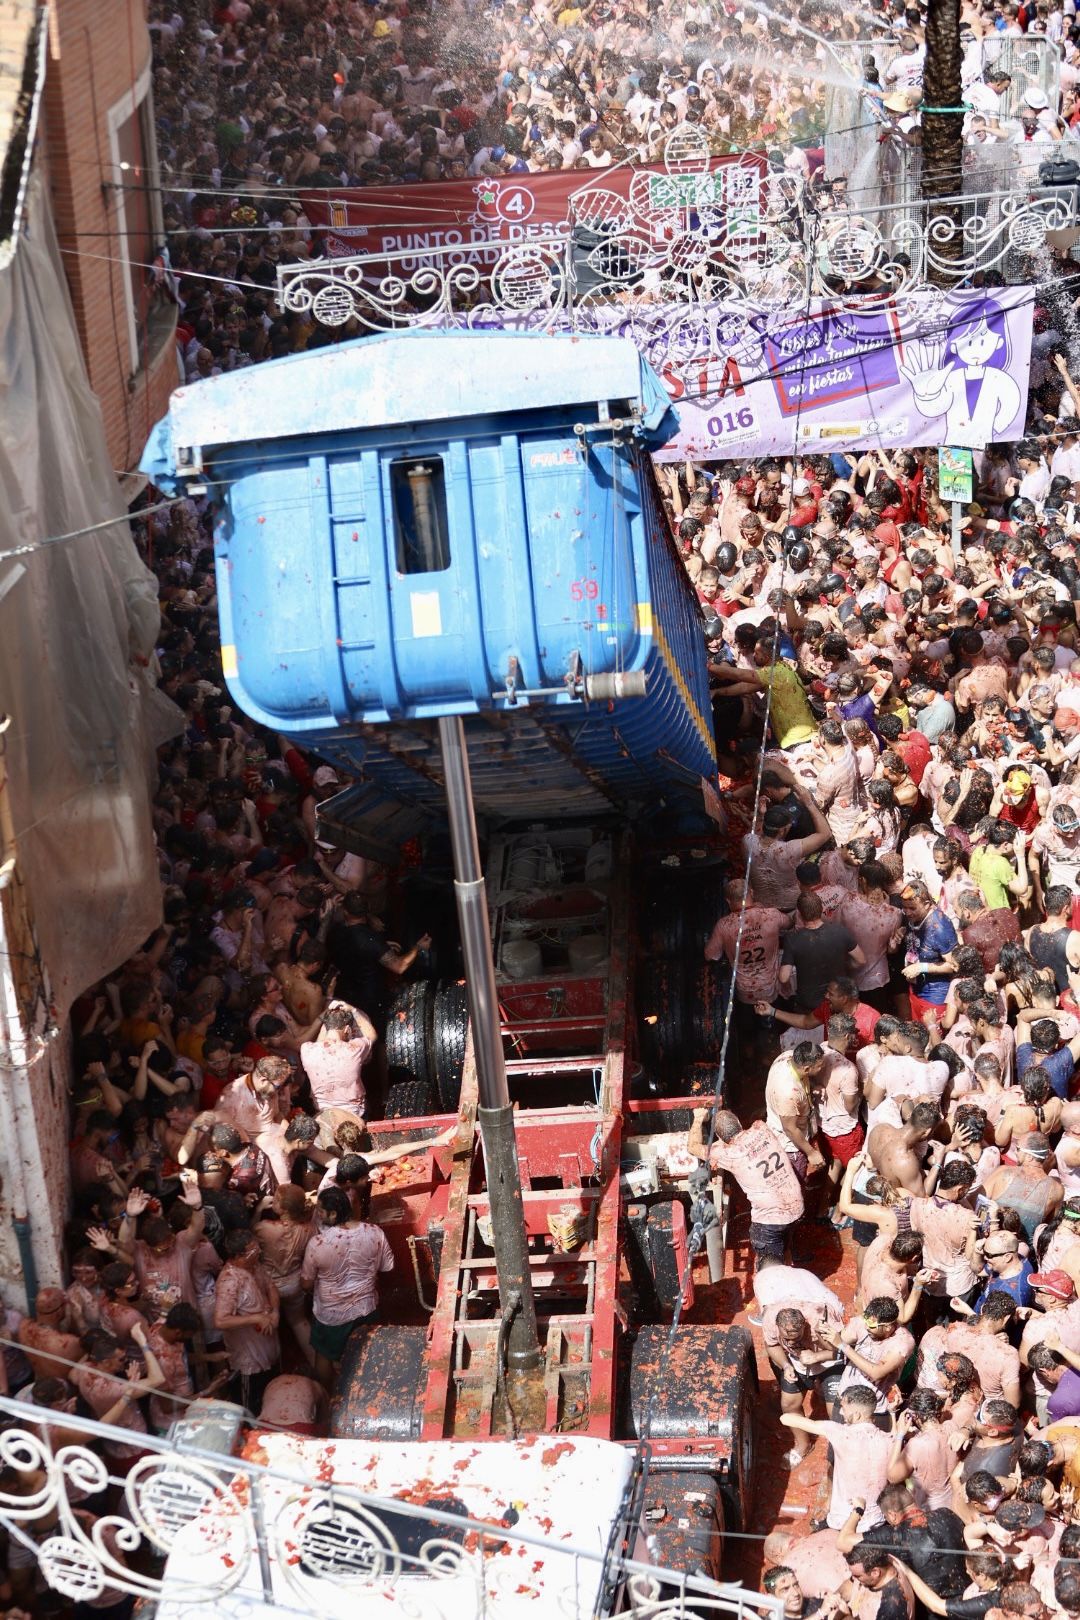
{"points": [[965, 379]]}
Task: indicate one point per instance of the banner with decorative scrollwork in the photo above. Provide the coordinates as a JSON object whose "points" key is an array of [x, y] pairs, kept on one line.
{"points": [[413, 225]]}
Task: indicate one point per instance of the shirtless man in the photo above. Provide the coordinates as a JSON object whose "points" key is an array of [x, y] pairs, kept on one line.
{"points": [[283, 912], [898, 1152], [306, 1000], [44, 1336]]}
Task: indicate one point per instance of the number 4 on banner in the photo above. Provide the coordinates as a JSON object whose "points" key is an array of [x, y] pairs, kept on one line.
{"points": [[516, 204]]}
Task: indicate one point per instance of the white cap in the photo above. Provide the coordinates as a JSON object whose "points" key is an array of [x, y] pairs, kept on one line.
{"points": [[800, 486], [1036, 100], [326, 776]]}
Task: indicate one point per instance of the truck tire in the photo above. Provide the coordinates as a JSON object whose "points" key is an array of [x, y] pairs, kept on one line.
{"points": [[665, 925], [704, 1388], [410, 1033], [705, 904], [699, 1080], [451, 1027], [708, 1012], [409, 1099], [662, 1020]]}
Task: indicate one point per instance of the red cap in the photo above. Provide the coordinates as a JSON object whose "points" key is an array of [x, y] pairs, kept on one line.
{"points": [[1058, 1283]]}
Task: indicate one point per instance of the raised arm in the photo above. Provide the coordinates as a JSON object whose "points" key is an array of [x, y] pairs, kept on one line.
{"points": [[822, 833], [923, 1593]]}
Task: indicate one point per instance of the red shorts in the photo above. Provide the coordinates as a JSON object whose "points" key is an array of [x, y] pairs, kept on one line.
{"points": [[845, 1148], [919, 1007]]}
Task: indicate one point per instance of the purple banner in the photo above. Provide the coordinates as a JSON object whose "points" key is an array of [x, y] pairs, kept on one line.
{"points": [[930, 369]]}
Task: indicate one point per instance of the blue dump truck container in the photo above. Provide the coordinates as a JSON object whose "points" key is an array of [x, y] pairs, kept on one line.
{"points": [[423, 524]]}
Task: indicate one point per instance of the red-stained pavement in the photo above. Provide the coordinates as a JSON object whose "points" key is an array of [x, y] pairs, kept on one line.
{"points": [[784, 1498]]}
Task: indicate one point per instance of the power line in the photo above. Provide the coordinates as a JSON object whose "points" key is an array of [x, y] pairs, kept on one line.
{"points": [[91, 528]]}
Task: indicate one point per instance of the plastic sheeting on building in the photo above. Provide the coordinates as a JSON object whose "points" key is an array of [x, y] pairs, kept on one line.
{"points": [[73, 618]]}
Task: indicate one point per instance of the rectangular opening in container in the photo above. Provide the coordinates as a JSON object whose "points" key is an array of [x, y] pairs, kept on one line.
{"points": [[421, 529]]}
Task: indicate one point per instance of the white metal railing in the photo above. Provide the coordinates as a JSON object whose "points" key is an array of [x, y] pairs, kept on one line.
{"points": [[704, 262], [298, 1541]]}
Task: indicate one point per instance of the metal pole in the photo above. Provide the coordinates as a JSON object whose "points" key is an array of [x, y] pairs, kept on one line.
{"points": [[495, 1114], [957, 522]]}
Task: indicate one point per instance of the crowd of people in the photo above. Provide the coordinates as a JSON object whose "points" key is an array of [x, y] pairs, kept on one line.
{"points": [[903, 931], [257, 105]]}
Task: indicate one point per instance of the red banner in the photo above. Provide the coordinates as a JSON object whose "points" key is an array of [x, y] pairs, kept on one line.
{"points": [[488, 213]]}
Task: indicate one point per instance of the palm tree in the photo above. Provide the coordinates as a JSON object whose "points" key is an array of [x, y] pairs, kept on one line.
{"points": [[942, 132]]}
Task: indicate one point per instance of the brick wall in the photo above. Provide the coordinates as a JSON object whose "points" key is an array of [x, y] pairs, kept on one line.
{"points": [[97, 52]]}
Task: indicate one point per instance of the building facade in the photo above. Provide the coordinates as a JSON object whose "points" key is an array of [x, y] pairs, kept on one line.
{"points": [[79, 614], [99, 147]]}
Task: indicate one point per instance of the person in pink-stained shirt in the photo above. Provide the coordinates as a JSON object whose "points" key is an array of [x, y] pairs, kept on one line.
{"points": [[816, 1560], [921, 1451], [296, 1403], [878, 926], [342, 1264], [861, 1453], [334, 1061], [246, 1311], [841, 1095], [949, 1233], [757, 968], [757, 1159]]}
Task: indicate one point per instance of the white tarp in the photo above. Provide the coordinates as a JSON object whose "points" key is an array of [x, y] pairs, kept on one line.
{"points": [[73, 617]]}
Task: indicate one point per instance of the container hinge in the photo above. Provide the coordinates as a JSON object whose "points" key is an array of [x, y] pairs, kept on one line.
{"points": [[513, 675], [608, 427]]}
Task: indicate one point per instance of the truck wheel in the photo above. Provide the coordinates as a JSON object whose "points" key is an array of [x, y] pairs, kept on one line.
{"points": [[451, 1028], [705, 904], [661, 1016], [665, 925], [746, 1444], [704, 1389], [410, 1033], [708, 1010], [409, 1099]]}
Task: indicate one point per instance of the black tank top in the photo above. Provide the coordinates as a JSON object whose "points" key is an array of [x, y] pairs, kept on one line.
{"points": [[1048, 950]]}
